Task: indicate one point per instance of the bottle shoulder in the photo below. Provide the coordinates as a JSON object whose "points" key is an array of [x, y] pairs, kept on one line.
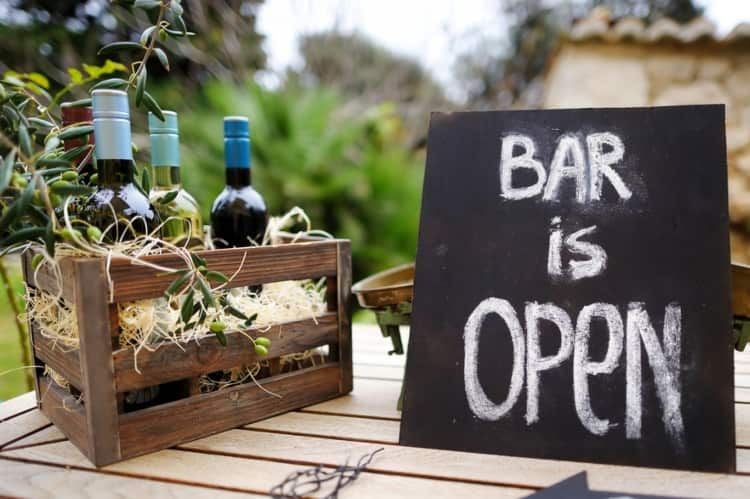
{"points": [[239, 197]]}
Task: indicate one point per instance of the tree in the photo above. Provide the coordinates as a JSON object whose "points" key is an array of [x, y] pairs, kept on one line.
{"points": [[502, 77], [32, 30], [367, 75]]}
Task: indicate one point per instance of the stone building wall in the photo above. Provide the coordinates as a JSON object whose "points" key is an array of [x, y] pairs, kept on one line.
{"points": [[596, 72]]}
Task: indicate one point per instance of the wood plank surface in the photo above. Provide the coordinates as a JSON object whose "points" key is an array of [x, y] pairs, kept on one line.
{"points": [[260, 265], [20, 479], [15, 406], [371, 399], [474, 467], [149, 429], [21, 426], [172, 362], [342, 427], [260, 475], [254, 458], [46, 435], [343, 303]]}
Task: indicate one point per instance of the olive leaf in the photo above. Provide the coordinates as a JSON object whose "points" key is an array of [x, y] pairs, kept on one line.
{"points": [[42, 123], [24, 141], [198, 260], [146, 180], [187, 310], [147, 4], [206, 291], [146, 34], [22, 235], [118, 46], [6, 170], [168, 197], [72, 154], [216, 276], [63, 164], [111, 83], [162, 56], [221, 337], [76, 131], [184, 275], [140, 86], [152, 105], [49, 238]]}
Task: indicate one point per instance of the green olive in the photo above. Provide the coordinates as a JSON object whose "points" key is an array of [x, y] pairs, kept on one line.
{"points": [[261, 350], [71, 175], [94, 234], [262, 340], [217, 327]]}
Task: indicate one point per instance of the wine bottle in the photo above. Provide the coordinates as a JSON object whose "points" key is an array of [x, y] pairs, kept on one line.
{"points": [[238, 215], [119, 207], [178, 210], [81, 115]]}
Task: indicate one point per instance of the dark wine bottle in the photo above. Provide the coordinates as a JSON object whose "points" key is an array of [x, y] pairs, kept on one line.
{"points": [[238, 215], [79, 115], [119, 207], [178, 210]]}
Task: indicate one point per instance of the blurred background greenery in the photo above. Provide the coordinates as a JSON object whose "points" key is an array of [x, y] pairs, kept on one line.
{"points": [[341, 136]]}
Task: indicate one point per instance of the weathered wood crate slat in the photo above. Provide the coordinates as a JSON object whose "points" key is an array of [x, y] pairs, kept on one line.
{"points": [[91, 412]]}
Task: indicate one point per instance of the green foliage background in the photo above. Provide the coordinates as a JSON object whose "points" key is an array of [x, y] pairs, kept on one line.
{"points": [[353, 175]]}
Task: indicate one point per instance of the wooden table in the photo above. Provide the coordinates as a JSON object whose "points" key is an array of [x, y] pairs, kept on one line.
{"points": [[36, 460]]}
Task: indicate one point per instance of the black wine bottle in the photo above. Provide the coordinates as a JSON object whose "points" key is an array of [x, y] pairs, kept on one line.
{"points": [[119, 207], [238, 215]]}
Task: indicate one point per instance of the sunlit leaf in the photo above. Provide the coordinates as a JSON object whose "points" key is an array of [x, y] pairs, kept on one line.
{"points": [[39, 79], [76, 77], [177, 283], [42, 123]]}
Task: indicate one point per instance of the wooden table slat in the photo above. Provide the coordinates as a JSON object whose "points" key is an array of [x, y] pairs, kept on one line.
{"points": [[36, 480], [255, 457]]}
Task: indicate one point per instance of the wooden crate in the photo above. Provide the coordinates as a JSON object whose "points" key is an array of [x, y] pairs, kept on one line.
{"points": [[102, 373]]}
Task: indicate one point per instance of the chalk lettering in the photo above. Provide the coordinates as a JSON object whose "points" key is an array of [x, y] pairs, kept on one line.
{"points": [[665, 365], [510, 163], [592, 266], [601, 162], [584, 367], [479, 403], [638, 330], [569, 161], [569, 146], [535, 363]]}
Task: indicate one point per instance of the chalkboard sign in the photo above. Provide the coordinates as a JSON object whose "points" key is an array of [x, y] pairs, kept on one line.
{"points": [[577, 487], [572, 288]]}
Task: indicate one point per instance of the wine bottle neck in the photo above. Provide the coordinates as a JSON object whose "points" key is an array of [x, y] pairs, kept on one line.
{"points": [[238, 177], [114, 172], [166, 177]]}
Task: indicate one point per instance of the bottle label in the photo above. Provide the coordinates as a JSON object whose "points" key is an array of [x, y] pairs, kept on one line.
{"points": [[112, 138]]}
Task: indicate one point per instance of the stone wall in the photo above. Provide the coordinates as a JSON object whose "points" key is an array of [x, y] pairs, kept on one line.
{"points": [[600, 74]]}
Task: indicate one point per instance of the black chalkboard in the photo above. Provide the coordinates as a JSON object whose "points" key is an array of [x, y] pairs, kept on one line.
{"points": [[577, 487], [572, 288]]}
